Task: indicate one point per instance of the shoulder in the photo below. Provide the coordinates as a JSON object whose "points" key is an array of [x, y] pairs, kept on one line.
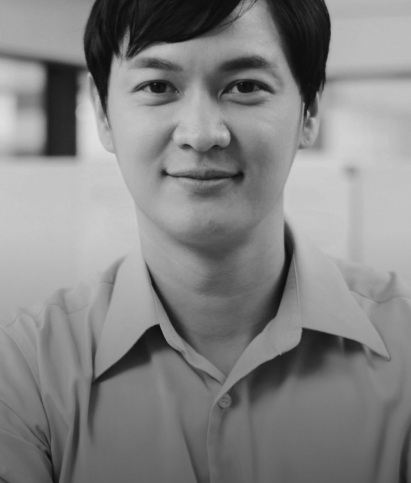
{"points": [[69, 320], [376, 285], [385, 298]]}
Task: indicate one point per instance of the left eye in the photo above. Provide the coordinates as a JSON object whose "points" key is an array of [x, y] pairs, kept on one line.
{"points": [[245, 87]]}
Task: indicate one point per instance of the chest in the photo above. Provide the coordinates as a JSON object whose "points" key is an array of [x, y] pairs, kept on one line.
{"points": [[155, 423]]}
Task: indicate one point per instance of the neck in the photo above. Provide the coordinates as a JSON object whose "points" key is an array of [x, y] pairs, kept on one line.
{"points": [[219, 300]]}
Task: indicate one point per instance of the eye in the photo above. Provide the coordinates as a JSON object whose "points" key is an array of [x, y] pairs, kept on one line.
{"points": [[245, 87], [156, 87]]}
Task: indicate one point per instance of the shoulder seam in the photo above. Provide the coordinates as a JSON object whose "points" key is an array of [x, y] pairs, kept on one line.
{"points": [[381, 301]]}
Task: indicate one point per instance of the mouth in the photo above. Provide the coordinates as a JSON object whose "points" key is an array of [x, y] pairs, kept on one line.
{"points": [[205, 175], [206, 182]]}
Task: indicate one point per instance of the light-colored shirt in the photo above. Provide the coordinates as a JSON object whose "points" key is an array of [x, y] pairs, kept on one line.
{"points": [[96, 386]]}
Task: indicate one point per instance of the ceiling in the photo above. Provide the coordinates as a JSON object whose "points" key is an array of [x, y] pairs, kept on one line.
{"points": [[367, 34], [338, 8], [368, 8]]}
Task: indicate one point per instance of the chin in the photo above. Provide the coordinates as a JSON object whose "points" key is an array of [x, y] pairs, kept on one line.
{"points": [[208, 235]]}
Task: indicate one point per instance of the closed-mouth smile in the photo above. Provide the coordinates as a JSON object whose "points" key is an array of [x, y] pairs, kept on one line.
{"points": [[204, 175]]}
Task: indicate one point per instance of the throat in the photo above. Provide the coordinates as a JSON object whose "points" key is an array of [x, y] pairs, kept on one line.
{"points": [[219, 308], [219, 327], [223, 356]]}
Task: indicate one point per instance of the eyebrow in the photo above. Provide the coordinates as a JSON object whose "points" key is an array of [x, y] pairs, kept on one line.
{"points": [[155, 63], [247, 62], [232, 65]]}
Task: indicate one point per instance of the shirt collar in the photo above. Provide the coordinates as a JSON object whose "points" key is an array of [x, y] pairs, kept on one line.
{"points": [[132, 311], [324, 300]]}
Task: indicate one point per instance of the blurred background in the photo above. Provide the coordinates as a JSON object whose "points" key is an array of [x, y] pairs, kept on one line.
{"points": [[65, 212]]}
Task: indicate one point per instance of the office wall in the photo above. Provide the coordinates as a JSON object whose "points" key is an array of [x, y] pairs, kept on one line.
{"points": [[376, 44], [45, 29]]}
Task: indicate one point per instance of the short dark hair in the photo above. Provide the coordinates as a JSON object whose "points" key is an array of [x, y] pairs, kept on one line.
{"points": [[304, 27]]}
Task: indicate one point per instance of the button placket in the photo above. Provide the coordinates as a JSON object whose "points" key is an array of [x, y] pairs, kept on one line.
{"points": [[216, 436]]}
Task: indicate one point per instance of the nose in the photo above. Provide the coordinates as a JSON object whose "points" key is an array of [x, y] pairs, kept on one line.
{"points": [[201, 126]]}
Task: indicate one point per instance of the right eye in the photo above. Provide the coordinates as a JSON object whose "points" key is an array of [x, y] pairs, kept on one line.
{"points": [[157, 87]]}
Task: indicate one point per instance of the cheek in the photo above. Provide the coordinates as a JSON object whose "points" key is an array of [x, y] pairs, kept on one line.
{"points": [[140, 145], [137, 130], [270, 147], [268, 151]]}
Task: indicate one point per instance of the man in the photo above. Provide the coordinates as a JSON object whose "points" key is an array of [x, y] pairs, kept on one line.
{"points": [[226, 348]]}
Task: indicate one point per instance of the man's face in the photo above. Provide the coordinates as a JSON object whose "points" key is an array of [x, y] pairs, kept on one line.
{"points": [[205, 131]]}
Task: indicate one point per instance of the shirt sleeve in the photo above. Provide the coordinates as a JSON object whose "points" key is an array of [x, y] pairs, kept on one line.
{"points": [[24, 432]]}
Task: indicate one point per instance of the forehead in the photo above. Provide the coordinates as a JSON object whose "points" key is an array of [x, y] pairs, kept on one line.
{"points": [[253, 33]]}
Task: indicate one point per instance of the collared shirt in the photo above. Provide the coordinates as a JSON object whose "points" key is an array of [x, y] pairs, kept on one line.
{"points": [[96, 386]]}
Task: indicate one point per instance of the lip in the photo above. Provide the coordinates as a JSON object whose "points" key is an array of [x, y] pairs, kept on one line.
{"points": [[204, 175], [207, 182]]}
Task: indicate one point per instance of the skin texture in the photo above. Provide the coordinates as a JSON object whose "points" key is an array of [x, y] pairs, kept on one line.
{"points": [[215, 246]]}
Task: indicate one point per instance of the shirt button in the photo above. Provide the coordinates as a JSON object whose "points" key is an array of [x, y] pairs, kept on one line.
{"points": [[225, 401]]}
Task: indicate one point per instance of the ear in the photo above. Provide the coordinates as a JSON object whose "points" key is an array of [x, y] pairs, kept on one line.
{"points": [[311, 124], [103, 124]]}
